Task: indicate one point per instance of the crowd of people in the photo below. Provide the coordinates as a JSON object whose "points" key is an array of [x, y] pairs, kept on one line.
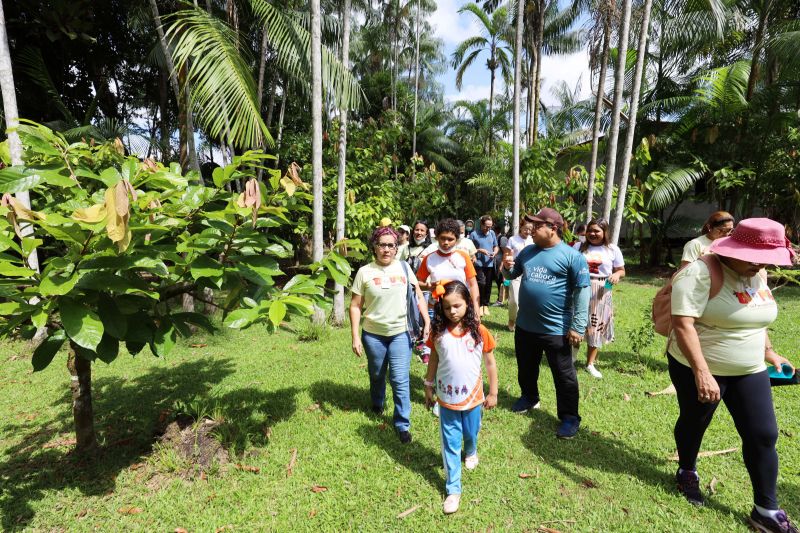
{"points": [[559, 296]]}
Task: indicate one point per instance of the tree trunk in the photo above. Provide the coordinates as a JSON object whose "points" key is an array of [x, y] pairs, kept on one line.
{"points": [[757, 45], [491, 109], [598, 115], [316, 128], [164, 116], [271, 102], [338, 299], [531, 73], [517, 97], [8, 90], [619, 85], [537, 81], [416, 85], [281, 115], [194, 164], [80, 371], [630, 136]]}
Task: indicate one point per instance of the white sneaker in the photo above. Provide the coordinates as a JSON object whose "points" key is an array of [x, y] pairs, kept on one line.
{"points": [[471, 462], [436, 409], [594, 372], [537, 405], [451, 503]]}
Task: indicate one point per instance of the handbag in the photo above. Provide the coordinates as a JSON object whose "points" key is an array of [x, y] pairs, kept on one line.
{"points": [[413, 316]]}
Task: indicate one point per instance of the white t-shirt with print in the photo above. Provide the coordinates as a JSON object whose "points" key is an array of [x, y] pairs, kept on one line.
{"points": [[459, 382], [602, 259], [384, 290], [517, 243], [732, 326], [453, 266]]}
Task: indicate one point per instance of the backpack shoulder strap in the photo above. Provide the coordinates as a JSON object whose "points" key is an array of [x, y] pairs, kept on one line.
{"points": [[715, 270]]}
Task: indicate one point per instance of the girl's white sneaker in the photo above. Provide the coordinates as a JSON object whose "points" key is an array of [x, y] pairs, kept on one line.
{"points": [[471, 462], [594, 372], [450, 505]]}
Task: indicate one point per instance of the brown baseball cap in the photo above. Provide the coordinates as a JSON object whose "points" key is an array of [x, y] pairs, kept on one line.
{"points": [[547, 214]]}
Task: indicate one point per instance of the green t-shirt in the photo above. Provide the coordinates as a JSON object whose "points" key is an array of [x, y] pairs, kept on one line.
{"points": [[695, 248], [732, 326], [384, 293]]}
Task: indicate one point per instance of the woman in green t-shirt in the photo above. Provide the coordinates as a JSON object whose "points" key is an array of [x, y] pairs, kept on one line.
{"points": [[717, 352], [379, 298]]}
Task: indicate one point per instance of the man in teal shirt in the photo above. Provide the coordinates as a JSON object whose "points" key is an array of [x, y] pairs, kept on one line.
{"points": [[553, 313]]}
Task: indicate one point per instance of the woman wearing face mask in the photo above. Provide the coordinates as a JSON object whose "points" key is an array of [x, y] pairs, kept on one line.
{"points": [[417, 243], [606, 268], [718, 225], [449, 263], [379, 296], [512, 250]]}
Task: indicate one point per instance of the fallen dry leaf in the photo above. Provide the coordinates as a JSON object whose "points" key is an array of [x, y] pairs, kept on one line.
{"points": [[60, 443], [318, 488], [136, 466], [589, 484], [312, 513], [543, 529], [626, 397], [203, 476], [669, 390], [408, 511], [292, 462], [248, 468], [180, 530], [82, 513], [129, 510], [198, 345], [229, 527], [712, 486], [524, 476], [382, 426], [312, 407]]}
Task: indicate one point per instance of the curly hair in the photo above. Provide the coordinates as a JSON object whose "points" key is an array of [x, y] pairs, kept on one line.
{"points": [[469, 322], [448, 225]]}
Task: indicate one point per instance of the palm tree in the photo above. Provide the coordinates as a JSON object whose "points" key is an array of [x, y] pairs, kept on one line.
{"points": [[604, 13], [517, 89], [338, 300], [316, 128], [619, 85], [634, 109], [494, 32], [472, 123]]}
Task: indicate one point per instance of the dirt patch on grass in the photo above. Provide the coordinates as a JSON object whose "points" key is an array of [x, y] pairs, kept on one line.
{"points": [[195, 442]]}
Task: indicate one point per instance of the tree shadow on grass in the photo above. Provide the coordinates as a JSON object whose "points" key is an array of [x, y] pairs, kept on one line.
{"points": [[629, 362], [789, 499], [127, 413], [414, 456], [589, 449], [345, 397]]}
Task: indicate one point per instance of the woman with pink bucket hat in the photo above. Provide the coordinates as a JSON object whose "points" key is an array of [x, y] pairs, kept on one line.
{"points": [[717, 351]]}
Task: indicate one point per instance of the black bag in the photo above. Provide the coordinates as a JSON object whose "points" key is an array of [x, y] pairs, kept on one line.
{"points": [[413, 316]]}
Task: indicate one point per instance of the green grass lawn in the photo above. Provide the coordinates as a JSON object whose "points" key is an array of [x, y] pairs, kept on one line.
{"points": [[277, 394]]}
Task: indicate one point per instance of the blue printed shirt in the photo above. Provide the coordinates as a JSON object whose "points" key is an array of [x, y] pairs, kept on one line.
{"points": [[549, 278]]}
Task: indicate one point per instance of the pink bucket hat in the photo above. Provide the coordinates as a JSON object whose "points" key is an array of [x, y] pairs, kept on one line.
{"points": [[756, 240]]}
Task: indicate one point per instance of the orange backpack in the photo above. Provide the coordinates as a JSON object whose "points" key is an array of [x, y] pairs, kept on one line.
{"points": [[662, 303]]}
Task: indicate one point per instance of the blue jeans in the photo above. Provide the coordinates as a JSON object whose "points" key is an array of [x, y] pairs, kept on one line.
{"points": [[457, 426], [392, 353]]}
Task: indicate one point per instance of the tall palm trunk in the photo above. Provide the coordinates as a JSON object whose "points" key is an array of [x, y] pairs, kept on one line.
{"points": [[338, 300], [416, 84], [531, 72], [598, 115], [491, 109], [316, 128], [629, 138], [537, 80], [8, 90], [281, 115], [619, 85], [517, 90]]}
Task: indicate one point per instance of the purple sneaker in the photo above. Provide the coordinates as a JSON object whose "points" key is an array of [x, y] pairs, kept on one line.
{"points": [[689, 485], [779, 524]]}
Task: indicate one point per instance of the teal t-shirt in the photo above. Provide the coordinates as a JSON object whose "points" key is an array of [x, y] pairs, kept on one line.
{"points": [[549, 277]]}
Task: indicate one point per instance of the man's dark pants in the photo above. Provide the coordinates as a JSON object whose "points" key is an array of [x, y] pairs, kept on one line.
{"points": [[529, 348]]}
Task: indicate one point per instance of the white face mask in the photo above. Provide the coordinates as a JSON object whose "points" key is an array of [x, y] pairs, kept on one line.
{"points": [[419, 241], [445, 251], [581, 238]]}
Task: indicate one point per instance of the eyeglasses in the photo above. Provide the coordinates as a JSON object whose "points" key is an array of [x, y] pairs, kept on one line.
{"points": [[386, 245]]}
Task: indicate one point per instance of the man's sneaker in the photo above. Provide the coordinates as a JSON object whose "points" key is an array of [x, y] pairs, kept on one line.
{"points": [[498, 303], [594, 372], [779, 524], [450, 505], [568, 427], [689, 485], [404, 436], [471, 462], [523, 405]]}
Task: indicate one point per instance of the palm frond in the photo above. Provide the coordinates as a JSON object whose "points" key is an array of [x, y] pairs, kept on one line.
{"points": [[674, 184], [32, 64]]}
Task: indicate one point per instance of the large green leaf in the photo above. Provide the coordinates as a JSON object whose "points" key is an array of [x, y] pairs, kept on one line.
{"points": [[277, 312], [18, 179], [241, 318], [81, 324], [164, 338], [196, 319], [14, 271], [47, 350], [114, 322], [108, 349], [205, 267], [56, 283]]}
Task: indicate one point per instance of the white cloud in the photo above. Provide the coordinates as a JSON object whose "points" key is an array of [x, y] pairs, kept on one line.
{"points": [[474, 92], [451, 27], [569, 68]]}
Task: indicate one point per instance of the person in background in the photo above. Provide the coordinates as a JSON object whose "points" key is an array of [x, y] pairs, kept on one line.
{"points": [[717, 352], [515, 245], [579, 235], [380, 298], [500, 281], [719, 224], [448, 263], [469, 226], [403, 232], [553, 311], [606, 268], [418, 243], [485, 241]]}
